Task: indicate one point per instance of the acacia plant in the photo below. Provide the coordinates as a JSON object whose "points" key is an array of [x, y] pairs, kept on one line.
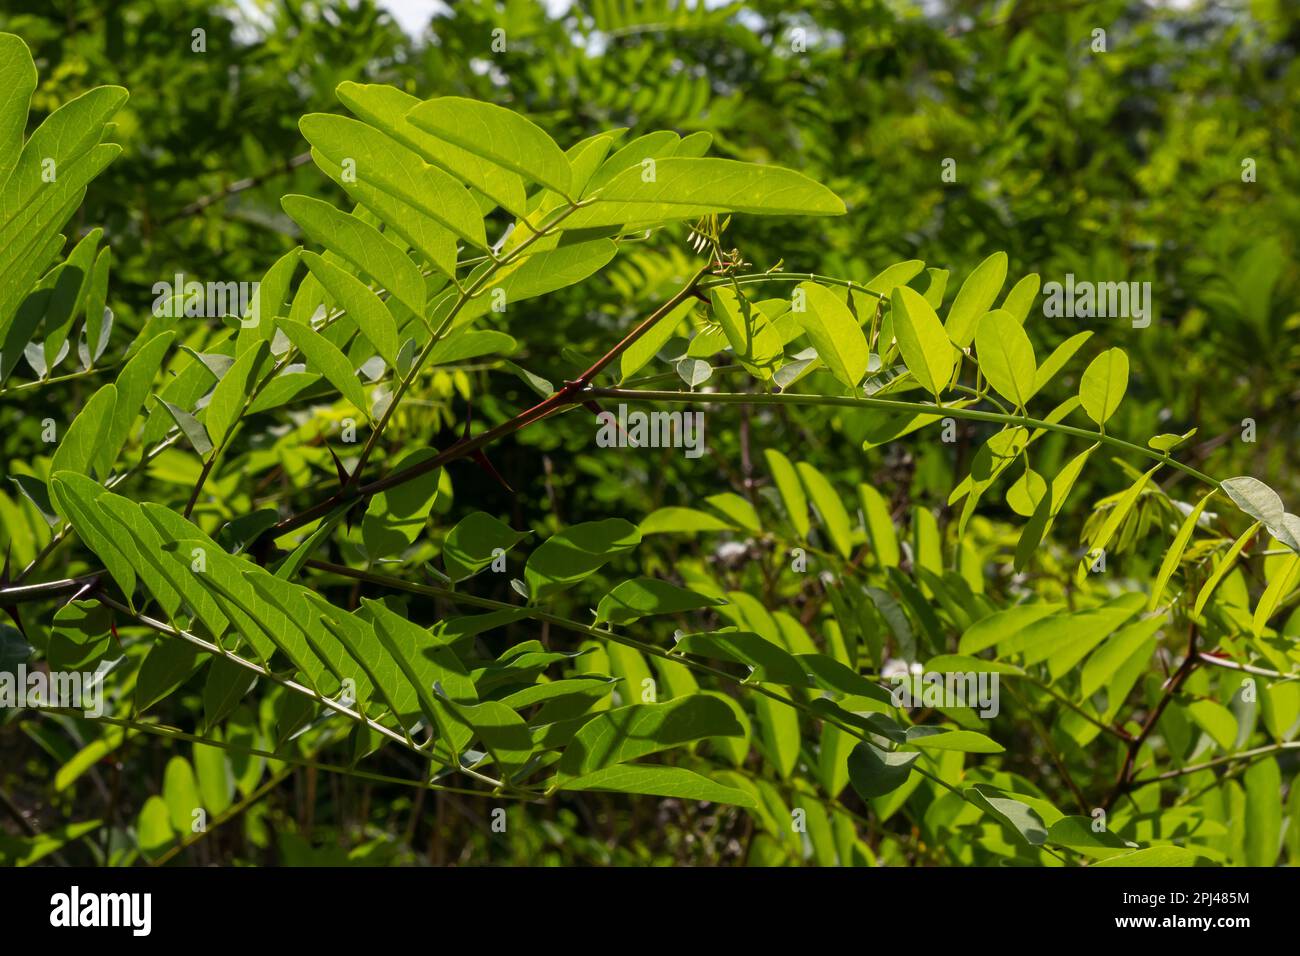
{"points": [[247, 529]]}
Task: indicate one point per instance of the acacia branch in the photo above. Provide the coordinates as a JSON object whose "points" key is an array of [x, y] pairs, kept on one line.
{"points": [[1245, 755], [1124, 782], [572, 393], [216, 650], [895, 405]]}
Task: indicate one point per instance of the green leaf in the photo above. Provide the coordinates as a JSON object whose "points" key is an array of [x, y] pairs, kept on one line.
{"points": [[272, 292], [1015, 815], [1224, 565], [752, 337], [386, 165], [328, 360], [216, 781], [75, 496], [169, 663], [181, 794], [434, 674], [779, 723], [738, 509], [472, 544], [497, 134], [360, 244], [70, 282], [470, 343], [1263, 813], [232, 392], [1103, 385], [975, 298], [1115, 653], [1064, 638], [767, 661], [18, 80], [682, 521], [386, 108], [830, 508], [922, 340], [1078, 834], [540, 386], [34, 849], [880, 526], [88, 756], [1281, 582], [1006, 356], [582, 691], [362, 305], [1153, 857], [632, 600], [838, 678], [942, 738], [77, 450], [791, 489], [154, 829], [1021, 298], [1256, 499], [538, 274], [874, 772], [900, 273], [1175, 552], [626, 733], [190, 427], [1216, 720], [1000, 626], [566, 558], [1168, 441], [33, 205], [1118, 512], [80, 636], [396, 516], [132, 386], [1056, 361], [640, 352], [224, 689], [835, 333], [659, 782], [502, 732], [687, 188]]}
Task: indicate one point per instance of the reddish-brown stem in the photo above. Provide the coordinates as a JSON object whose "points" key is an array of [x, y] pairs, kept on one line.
{"points": [[569, 394], [1124, 781]]}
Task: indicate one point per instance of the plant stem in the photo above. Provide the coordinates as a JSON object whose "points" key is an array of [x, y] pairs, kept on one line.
{"points": [[465, 296], [218, 651], [1124, 782], [893, 405], [570, 394], [1250, 755]]}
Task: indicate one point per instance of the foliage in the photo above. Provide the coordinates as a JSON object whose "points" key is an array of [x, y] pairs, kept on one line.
{"points": [[356, 532]]}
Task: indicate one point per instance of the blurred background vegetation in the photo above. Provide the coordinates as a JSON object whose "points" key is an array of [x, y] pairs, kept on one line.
{"points": [[1170, 157]]}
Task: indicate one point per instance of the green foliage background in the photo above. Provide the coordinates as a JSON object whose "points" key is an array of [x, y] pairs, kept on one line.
{"points": [[1123, 165]]}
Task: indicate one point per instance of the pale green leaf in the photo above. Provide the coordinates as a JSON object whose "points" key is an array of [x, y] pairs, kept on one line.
{"points": [[975, 297], [1103, 385], [924, 344], [835, 333], [1006, 356]]}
